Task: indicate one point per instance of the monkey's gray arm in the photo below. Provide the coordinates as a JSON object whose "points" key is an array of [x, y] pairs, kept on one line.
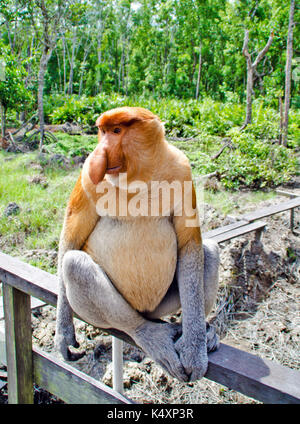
{"points": [[65, 331], [80, 219], [192, 345]]}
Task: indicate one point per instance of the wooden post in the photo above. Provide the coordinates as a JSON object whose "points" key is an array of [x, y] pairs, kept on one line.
{"points": [[258, 234], [117, 359], [18, 340], [292, 223]]}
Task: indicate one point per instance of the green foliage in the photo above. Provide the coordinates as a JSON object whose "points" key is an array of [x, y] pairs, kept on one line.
{"points": [[71, 146], [137, 47], [182, 118], [13, 93], [256, 164], [83, 110], [256, 160]]}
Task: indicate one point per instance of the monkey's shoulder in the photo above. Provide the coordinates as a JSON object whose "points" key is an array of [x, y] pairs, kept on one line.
{"points": [[179, 166]]}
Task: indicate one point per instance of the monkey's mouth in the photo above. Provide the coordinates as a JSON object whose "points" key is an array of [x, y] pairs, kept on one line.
{"points": [[114, 169]]}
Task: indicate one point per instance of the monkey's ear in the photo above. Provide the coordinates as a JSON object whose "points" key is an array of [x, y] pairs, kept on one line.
{"points": [[98, 121]]}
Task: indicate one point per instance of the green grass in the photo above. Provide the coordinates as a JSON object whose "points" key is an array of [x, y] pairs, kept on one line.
{"points": [[38, 224], [227, 203]]}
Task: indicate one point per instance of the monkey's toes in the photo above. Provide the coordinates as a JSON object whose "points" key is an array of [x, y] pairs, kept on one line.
{"points": [[74, 356], [213, 340]]}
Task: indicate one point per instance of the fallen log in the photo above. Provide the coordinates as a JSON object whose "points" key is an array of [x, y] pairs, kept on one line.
{"points": [[228, 143]]}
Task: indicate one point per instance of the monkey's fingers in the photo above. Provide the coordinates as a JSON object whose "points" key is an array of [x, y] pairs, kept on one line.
{"points": [[98, 165]]}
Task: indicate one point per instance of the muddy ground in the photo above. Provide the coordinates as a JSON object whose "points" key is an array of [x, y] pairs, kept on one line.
{"points": [[257, 310]]}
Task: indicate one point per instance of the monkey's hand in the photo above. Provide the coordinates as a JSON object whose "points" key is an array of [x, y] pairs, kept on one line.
{"points": [[192, 345], [98, 164], [193, 357]]}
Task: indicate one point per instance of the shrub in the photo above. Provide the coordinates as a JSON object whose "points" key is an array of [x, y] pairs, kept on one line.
{"points": [[256, 160]]}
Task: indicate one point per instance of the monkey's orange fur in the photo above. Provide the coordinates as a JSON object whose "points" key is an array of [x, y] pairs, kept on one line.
{"points": [[139, 254]]}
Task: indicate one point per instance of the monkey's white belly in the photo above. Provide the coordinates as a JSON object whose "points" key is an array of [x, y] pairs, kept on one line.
{"points": [[139, 256]]}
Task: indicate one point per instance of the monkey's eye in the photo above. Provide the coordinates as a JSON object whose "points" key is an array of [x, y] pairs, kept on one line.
{"points": [[117, 130]]}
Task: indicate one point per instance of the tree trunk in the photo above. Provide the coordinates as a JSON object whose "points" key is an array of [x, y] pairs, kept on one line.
{"points": [[251, 68], [3, 125], [41, 83], [50, 23], [64, 62], [81, 82], [249, 94], [29, 71], [121, 67], [86, 53], [71, 76], [116, 60], [59, 74], [288, 73], [199, 71], [99, 55], [281, 120], [127, 71]]}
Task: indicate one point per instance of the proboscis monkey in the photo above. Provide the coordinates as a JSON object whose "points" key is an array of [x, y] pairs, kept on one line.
{"points": [[142, 260]]}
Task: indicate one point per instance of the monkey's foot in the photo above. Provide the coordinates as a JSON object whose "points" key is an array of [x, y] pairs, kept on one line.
{"points": [[213, 340], [157, 341], [193, 358], [62, 346]]}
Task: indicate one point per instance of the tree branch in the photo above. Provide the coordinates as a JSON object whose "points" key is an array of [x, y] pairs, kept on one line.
{"points": [[228, 143], [264, 51], [245, 46]]}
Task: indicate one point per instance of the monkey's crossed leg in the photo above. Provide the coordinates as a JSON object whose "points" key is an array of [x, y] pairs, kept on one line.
{"points": [[95, 299]]}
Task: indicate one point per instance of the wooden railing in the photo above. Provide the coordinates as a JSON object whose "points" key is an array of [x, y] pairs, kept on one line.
{"points": [[251, 375]]}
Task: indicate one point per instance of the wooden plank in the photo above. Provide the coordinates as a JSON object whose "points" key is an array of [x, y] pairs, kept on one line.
{"points": [[29, 279], [271, 210], [253, 376], [240, 231], [287, 193], [18, 345], [224, 229], [34, 303], [2, 344], [69, 384]]}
